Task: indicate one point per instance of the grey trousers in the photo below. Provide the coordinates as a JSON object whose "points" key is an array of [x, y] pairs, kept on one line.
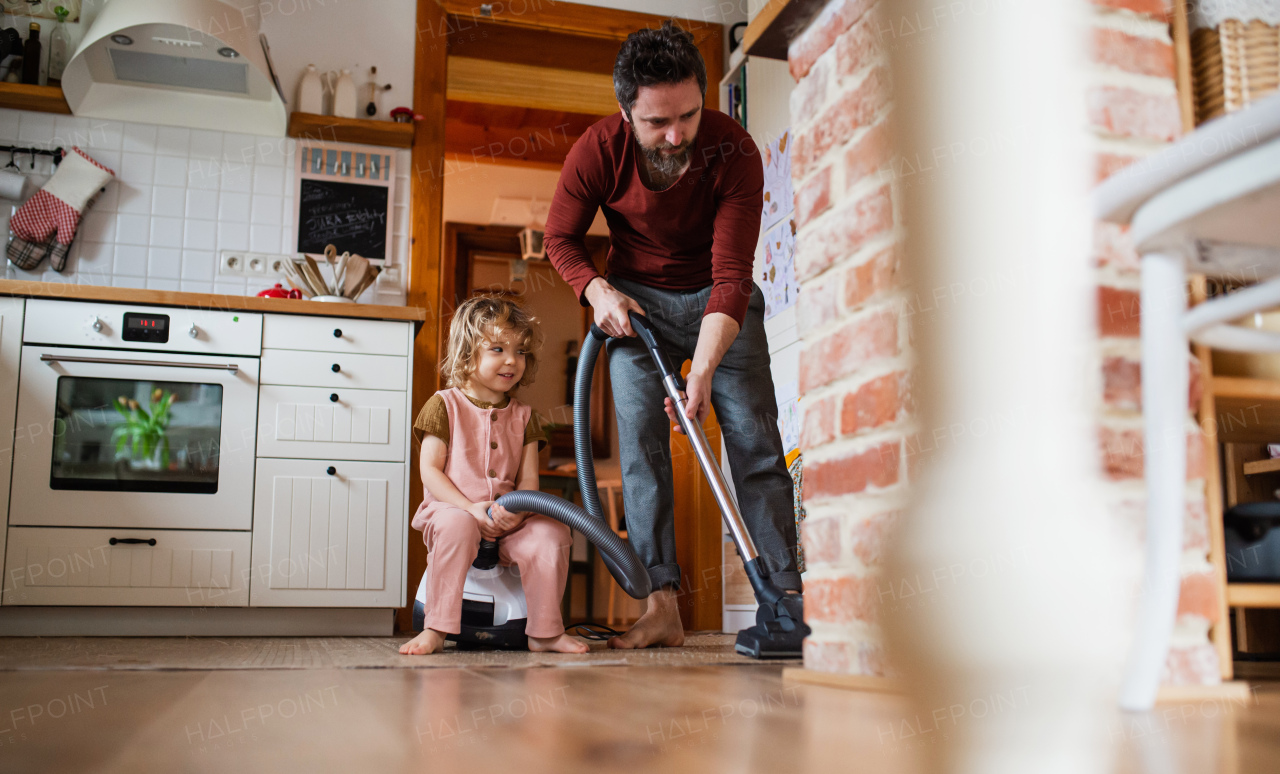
{"points": [[743, 397]]}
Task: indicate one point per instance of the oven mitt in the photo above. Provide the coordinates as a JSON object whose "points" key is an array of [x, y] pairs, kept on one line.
{"points": [[55, 211]]}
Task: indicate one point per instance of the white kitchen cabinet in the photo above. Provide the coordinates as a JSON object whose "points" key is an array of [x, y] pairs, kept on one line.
{"points": [[154, 567], [343, 371], [11, 316], [328, 533], [333, 334], [321, 423]]}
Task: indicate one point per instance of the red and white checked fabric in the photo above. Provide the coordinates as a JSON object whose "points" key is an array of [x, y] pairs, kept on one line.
{"points": [[56, 208]]}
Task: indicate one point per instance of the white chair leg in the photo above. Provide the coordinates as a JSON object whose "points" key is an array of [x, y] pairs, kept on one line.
{"points": [[1164, 408]]}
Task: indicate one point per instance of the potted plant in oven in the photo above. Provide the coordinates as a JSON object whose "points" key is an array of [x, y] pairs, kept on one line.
{"points": [[144, 432]]}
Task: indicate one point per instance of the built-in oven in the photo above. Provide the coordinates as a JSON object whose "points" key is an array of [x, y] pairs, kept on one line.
{"points": [[136, 417]]}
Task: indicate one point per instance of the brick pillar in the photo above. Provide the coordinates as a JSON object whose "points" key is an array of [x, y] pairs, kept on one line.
{"points": [[1133, 111], [859, 437], [856, 356]]}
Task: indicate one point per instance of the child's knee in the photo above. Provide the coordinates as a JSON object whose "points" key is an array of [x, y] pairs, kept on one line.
{"points": [[550, 532], [455, 526]]}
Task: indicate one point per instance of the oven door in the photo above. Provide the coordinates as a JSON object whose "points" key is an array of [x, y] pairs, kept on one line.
{"points": [[106, 438]]}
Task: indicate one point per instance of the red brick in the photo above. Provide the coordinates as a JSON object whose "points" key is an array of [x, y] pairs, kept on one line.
{"points": [[843, 233], [1195, 527], [1194, 665], [1122, 454], [868, 537], [861, 45], [1119, 312], [829, 657], [821, 540], [1198, 595], [871, 278], [853, 109], [822, 32], [1113, 247], [1157, 8], [819, 423], [848, 348], [1107, 164], [810, 93], [1132, 516], [852, 473], [1122, 383], [821, 304], [876, 403], [871, 659], [1130, 113], [1133, 54], [813, 197], [841, 600], [868, 155]]}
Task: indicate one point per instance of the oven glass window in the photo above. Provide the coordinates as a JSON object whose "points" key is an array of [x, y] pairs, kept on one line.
{"points": [[136, 435]]}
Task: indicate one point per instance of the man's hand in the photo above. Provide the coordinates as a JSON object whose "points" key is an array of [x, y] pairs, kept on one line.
{"points": [[507, 520], [489, 529], [697, 396], [612, 309]]}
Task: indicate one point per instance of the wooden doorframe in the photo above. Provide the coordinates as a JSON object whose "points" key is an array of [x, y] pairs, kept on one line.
{"points": [[424, 275]]}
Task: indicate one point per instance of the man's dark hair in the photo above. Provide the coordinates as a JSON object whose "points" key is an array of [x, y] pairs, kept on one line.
{"points": [[650, 57]]}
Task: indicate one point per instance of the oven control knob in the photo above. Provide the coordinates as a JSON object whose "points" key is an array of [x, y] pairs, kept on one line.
{"points": [[96, 324], [193, 332]]}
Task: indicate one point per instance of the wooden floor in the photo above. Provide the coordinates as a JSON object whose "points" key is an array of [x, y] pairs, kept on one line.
{"points": [[557, 716]]}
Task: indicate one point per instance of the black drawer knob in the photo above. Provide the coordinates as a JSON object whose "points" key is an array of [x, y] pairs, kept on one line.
{"points": [[331, 470], [336, 368], [333, 397], [337, 333], [132, 541]]}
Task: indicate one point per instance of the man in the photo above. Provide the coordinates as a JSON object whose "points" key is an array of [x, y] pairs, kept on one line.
{"points": [[681, 189]]}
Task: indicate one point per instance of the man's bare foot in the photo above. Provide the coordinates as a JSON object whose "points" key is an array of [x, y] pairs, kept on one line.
{"points": [[430, 641], [561, 643], [659, 626]]}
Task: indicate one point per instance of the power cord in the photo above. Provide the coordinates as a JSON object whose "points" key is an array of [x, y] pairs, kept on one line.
{"points": [[593, 631]]}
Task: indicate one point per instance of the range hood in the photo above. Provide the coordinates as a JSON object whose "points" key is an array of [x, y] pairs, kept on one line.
{"points": [[194, 63]]}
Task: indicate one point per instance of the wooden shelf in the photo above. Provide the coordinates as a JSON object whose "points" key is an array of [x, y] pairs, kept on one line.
{"points": [[1253, 594], [1243, 387], [44, 99], [1261, 466], [386, 134], [770, 32]]}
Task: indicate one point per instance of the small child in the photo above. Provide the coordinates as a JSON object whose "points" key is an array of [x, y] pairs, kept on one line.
{"points": [[479, 444]]}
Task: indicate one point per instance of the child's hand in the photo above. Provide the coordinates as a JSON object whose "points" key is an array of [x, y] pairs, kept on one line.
{"points": [[489, 529], [506, 520]]}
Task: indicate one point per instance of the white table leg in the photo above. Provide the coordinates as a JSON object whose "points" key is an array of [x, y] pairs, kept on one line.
{"points": [[1164, 408]]}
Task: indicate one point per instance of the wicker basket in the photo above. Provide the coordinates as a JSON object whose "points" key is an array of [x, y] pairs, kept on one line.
{"points": [[1235, 63]]}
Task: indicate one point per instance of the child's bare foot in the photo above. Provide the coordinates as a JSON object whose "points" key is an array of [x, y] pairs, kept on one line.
{"points": [[430, 641], [559, 644]]}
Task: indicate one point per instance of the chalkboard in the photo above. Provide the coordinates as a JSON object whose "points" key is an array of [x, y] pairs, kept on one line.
{"points": [[350, 216]]}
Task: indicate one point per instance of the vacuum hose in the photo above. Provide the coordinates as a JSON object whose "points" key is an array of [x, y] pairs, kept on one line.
{"points": [[617, 553]]}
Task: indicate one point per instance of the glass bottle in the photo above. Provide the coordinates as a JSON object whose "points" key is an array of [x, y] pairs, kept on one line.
{"points": [[31, 56], [59, 46]]}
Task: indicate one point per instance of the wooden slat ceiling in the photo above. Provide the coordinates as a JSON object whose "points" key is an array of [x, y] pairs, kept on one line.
{"points": [[505, 134]]}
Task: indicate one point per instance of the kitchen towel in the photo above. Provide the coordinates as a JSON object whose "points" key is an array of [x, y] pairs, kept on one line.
{"points": [[54, 211]]}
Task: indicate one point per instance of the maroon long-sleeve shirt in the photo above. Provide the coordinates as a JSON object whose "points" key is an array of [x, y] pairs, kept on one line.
{"points": [[701, 231]]}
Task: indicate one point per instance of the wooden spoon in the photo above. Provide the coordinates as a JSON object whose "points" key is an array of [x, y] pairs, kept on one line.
{"points": [[357, 266]]}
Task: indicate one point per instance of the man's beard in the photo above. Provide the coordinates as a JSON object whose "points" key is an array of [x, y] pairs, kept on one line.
{"points": [[667, 164]]}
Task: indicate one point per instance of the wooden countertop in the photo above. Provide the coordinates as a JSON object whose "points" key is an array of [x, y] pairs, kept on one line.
{"points": [[69, 292]]}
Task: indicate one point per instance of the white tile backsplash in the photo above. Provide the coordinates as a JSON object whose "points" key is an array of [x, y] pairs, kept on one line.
{"points": [[181, 196]]}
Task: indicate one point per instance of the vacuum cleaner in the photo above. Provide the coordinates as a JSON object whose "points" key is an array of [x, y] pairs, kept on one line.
{"points": [[494, 611]]}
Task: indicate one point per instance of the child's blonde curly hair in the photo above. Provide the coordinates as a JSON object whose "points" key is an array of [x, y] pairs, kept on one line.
{"points": [[481, 317]]}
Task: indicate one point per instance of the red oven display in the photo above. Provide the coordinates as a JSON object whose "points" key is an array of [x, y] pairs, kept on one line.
{"points": [[149, 328]]}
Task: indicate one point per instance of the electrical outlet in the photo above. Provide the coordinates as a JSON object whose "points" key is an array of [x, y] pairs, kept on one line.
{"points": [[256, 264], [275, 265], [232, 263]]}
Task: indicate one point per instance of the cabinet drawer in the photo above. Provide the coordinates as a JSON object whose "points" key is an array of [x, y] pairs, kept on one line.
{"points": [[60, 566], [322, 540], [316, 369], [336, 334], [323, 423]]}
